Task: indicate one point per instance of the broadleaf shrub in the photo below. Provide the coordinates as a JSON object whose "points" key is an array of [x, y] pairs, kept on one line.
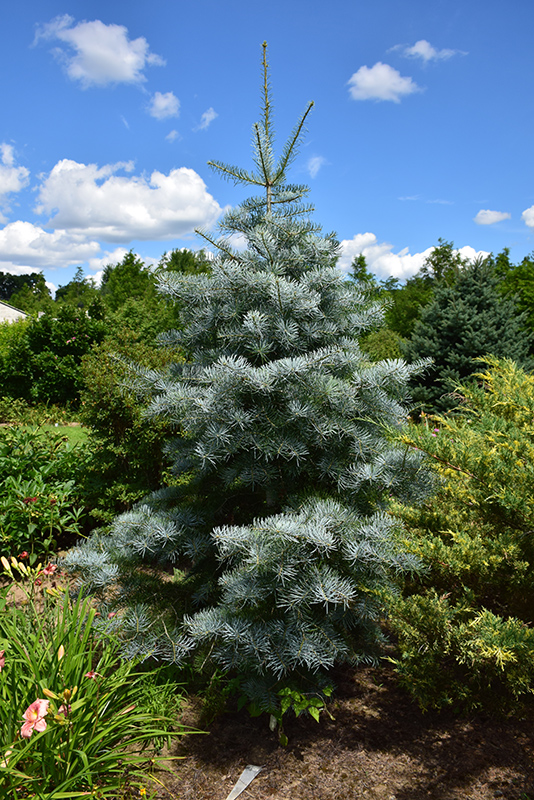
{"points": [[40, 504], [40, 357], [126, 459], [15, 359]]}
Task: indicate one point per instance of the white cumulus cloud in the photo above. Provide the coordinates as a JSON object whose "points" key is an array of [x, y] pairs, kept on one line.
{"points": [[425, 51], [96, 202], [12, 178], [380, 258], [14, 269], [384, 263], [163, 106], [207, 118], [23, 244], [314, 165], [380, 82], [528, 216], [97, 54], [487, 217], [469, 253]]}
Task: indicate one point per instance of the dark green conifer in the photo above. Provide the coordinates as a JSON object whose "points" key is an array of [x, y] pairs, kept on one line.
{"points": [[467, 318]]}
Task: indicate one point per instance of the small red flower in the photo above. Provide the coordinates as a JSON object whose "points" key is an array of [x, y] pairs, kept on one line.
{"points": [[29, 500], [24, 554], [50, 569]]}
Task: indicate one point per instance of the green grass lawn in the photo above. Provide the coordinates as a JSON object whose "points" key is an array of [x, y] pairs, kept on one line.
{"points": [[75, 434]]}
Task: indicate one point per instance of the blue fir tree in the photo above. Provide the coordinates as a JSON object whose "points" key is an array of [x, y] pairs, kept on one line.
{"points": [[275, 523]]}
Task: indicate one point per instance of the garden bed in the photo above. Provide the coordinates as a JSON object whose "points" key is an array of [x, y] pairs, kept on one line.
{"points": [[379, 746]]}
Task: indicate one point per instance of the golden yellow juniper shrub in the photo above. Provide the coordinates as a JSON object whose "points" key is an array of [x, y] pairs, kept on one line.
{"points": [[465, 623]]}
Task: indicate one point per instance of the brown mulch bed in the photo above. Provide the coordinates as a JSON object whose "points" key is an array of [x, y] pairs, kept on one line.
{"points": [[380, 746]]}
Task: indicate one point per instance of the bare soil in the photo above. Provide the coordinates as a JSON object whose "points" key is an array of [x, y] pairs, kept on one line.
{"points": [[379, 746]]}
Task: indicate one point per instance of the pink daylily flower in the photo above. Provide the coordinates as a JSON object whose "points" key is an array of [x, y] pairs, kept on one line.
{"points": [[50, 569], [2, 659], [35, 718]]}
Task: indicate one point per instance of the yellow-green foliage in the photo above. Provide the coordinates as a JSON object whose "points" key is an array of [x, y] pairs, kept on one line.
{"points": [[464, 625]]}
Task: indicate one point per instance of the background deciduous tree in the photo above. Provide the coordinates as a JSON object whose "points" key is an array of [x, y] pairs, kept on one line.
{"points": [[33, 295], [80, 292]]}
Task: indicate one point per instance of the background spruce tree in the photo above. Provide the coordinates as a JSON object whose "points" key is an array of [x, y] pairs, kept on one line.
{"points": [[467, 318], [275, 522]]}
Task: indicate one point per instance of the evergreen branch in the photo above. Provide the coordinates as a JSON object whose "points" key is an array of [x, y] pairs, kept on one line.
{"points": [[237, 174], [219, 246], [263, 166], [461, 470], [267, 249], [290, 149]]}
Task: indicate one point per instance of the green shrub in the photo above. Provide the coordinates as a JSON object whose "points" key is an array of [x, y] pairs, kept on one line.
{"points": [[57, 342], [382, 344], [126, 453], [15, 359], [40, 357], [456, 656], [464, 624], [39, 503], [14, 410]]}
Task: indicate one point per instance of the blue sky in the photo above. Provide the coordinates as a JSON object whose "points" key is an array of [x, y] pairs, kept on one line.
{"points": [[422, 124]]}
